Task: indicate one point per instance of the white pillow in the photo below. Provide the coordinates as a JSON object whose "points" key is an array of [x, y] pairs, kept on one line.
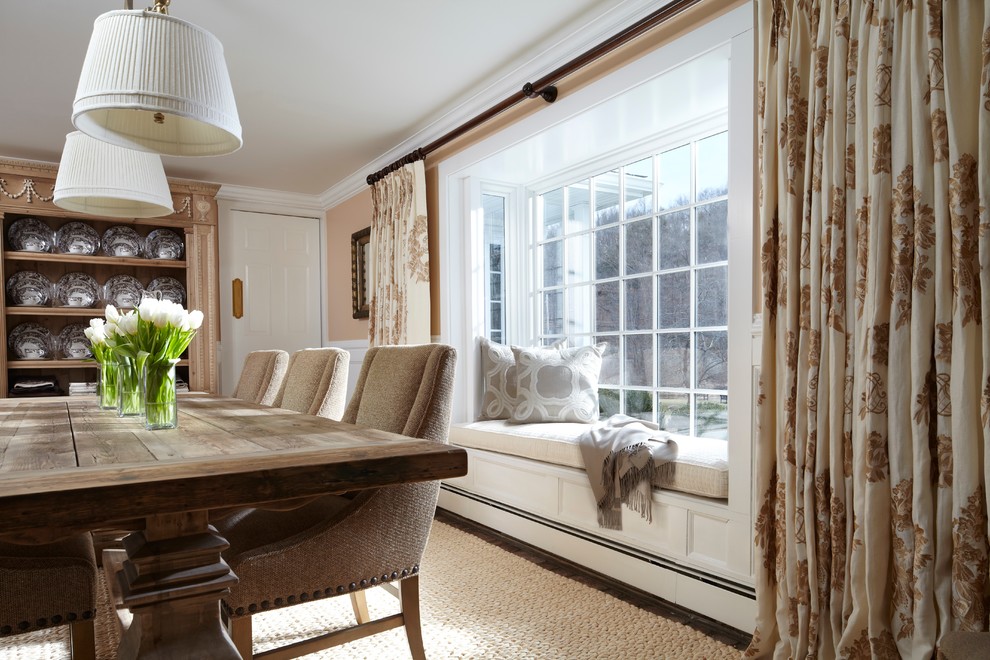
{"points": [[498, 372], [557, 384]]}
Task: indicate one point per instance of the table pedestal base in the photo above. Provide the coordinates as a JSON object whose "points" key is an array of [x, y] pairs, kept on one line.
{"points": [[171, 578]]}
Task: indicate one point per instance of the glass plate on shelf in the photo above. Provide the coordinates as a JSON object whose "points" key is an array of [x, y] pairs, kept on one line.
{"points": [[72, 342], [122, 241], [30, 235], [163, 244], [28, 288], [30, 341], [76, 290], [77, 238], [169, 288], [123, 291]]}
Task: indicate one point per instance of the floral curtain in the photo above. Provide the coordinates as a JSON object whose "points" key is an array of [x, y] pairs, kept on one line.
{"points": [[399, 308], [872, 461]]}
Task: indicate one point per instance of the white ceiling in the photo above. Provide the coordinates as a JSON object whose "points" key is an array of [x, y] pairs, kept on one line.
{"points": [[327, 91]]}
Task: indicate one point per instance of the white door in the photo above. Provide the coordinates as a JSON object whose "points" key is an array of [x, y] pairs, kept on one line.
{"points": [[277, 259]]}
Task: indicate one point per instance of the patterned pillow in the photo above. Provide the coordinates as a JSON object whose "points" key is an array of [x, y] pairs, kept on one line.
{"points": [[498, 370], [557, 385]]}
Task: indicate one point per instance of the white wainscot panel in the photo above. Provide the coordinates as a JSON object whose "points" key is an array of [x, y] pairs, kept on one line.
{"points": [[577, 504], [708, 539], [666, 534], [467, 481], [531, 491]]}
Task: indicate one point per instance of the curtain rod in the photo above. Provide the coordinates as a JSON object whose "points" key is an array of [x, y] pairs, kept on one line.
{"points": [[542, 88]]}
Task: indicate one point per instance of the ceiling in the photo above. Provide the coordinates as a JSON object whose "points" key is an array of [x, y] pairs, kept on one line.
{"points": [[327, 92]]}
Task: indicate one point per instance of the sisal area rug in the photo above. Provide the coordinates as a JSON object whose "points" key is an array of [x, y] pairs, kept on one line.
{"points": [[477, 600]]}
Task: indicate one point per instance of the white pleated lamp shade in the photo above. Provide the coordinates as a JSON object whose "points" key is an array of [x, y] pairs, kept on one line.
{"points": [[156, 83], [100, 178]]}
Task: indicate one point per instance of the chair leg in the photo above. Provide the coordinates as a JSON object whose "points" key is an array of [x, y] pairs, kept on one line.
{"points": [[239, 629], [359, 603], [82, 640], [409, 598]]}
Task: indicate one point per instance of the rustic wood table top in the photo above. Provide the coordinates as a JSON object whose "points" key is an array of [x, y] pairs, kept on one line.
{"points": [[68, 467]]}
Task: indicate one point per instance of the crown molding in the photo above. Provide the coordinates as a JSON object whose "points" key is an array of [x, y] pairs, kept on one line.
{"points": [[564, 48], [272, 201]]}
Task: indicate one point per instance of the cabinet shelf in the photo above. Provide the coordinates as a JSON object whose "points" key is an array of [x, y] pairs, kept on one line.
{"points": [[11, 255], [62, 364], [57, 311]]}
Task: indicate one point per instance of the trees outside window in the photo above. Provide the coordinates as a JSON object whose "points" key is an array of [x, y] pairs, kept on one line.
{"points": [[636, 256]]}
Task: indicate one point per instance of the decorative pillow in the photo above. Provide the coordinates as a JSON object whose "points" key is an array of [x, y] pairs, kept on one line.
{"points": [[498, 371], [557, 384]]}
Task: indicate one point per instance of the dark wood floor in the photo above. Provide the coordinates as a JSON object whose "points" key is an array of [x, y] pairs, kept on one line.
{"points": [[649, 602]]}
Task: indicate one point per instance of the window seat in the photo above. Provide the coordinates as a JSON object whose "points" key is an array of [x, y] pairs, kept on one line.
{"points": [[529, 481], [701, 467]]}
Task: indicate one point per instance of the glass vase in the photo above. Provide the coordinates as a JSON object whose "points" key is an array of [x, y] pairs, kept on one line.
{"points": [[108, 395], [161, 408], [130, 403]]}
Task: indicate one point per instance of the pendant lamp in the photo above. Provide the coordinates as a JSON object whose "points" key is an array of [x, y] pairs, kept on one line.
{"points": [[153, 82], [99, 178]]}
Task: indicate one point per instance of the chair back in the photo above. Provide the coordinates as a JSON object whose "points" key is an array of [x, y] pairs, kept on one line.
{"points": [[315, 382], [261, 376], [47, 585], [405, 389]]}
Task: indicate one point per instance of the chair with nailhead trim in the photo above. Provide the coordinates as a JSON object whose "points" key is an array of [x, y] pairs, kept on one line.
{"points": [[261, 376], [343, 544], [43, 586]]}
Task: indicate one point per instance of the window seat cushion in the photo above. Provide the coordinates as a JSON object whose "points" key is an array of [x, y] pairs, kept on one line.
{"points": [[701, 466]]}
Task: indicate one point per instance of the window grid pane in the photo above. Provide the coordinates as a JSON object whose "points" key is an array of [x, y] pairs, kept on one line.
{"points": [[650, 238], [493, 208]]}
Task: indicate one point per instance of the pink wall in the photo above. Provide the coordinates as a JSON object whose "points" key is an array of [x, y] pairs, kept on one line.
{"points": [[343, 220]]}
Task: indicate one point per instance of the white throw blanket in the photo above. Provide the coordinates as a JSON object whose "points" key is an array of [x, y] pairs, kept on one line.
{"points": [[621, 454]]}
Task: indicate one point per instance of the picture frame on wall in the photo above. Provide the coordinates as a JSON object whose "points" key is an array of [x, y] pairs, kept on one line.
{"points": [[360, 257]]}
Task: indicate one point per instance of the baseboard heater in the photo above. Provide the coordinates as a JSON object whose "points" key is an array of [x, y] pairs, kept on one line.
{"points": [[655, 560]]}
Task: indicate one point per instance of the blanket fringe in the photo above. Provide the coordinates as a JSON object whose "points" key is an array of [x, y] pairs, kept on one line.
{"points": [[634, 489], [636, 492]]}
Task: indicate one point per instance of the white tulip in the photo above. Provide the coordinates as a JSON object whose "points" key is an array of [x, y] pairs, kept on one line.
{"points": [[148, 308], [128, 324], [96, 335], [112, 314], [178, 318], [195, 319], [163, 310]]}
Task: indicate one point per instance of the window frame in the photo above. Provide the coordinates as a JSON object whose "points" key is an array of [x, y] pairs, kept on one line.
{"points": [[689, 134]]}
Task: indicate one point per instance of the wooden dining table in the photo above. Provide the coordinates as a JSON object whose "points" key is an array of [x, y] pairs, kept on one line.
{"points": [[67, 467]]}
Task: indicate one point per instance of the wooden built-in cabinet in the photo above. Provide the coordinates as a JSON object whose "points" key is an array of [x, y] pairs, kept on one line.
{"points": [[26, 191]]}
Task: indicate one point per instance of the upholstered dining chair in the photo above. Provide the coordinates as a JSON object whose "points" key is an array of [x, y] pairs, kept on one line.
{"points": [[43, 586], [343, 544], [315, 382], [261, 376]]}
